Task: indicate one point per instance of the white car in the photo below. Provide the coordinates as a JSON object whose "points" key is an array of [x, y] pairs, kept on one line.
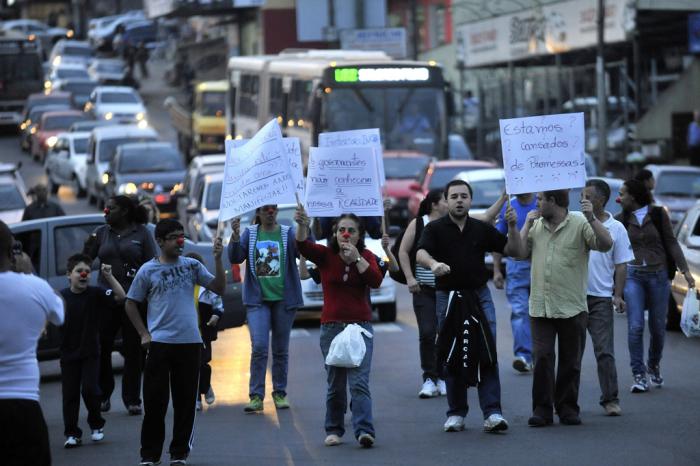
{"points": [[71, 51], [117, 103], [58, 75], [13, 197], [107, 70], [66, 163]]}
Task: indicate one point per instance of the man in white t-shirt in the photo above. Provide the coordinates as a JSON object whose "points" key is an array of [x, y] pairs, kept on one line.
{"points": [[607, 272], [26, 302]]}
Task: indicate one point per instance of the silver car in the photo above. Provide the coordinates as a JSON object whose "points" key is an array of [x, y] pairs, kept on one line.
{"points": [[677, 188]]}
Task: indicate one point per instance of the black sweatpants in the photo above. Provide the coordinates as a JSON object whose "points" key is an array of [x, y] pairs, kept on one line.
{"points": [[132, 352], [170, 368], [80, 377], [205, 368], [25, 441]]}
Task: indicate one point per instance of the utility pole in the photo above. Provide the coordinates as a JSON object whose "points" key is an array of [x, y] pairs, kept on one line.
{"points": [[414, 27], [602, 98]]}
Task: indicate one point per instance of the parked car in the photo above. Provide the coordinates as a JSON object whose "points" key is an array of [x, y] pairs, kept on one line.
{"points": [[66, 163], [184, 193], [50, 241], [437, 174], [51, 124], [71, 51], [688, 234], [58, 74], [33, 120], [153, 168], [677, 188], [203, 208], [402, 170], [107, 71], [102, 146], [13, 193], [80, 89], [118, 103]]}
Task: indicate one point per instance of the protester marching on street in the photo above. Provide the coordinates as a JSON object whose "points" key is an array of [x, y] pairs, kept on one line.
{"points": [[657, 256], [607, 273], [172, 338], [28, 303], [125, 244], [348, 270], [558, 243], [271, 294], [453, 248], [517, 285], [80, 345]]}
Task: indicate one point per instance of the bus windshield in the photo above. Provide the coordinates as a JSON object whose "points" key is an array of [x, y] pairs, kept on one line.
{"points": [[212, 104], [409, 118]]}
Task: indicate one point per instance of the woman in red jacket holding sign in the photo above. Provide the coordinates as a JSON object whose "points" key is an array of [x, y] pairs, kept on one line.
{"points": [[348, 270]]}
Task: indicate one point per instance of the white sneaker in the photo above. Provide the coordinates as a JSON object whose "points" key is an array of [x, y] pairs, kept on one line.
{"points": [[210, 397], [454, 424], [495, 423], [199, 405], [429, 390], [97, 435], [332, 440], [442, 388], [71, 442], [520, 364]]}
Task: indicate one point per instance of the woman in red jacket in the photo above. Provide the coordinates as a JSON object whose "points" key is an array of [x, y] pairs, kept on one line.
{"points": [[348, 270]]}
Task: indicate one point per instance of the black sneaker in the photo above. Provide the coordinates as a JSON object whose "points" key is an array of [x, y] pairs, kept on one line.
{"points": [[105, 406], [538, 421], [655, 376], [571, 420], [640, 384]]}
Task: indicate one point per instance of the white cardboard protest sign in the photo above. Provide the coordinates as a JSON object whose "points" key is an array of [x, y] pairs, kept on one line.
{"points": [[293, 151], [543, 153], [358, 137], [256, 174], [343, 180]]}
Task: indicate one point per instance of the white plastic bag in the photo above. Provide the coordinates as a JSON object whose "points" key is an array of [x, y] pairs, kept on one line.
{"points": [[690, 318], [348, 347]]}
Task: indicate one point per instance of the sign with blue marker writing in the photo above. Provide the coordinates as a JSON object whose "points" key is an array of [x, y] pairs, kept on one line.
{"points": [[256, 174], [543, 153], [343, 180], [357, 137]]}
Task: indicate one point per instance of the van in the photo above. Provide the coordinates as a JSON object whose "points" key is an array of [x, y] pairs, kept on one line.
{"points": [[102, 146]]}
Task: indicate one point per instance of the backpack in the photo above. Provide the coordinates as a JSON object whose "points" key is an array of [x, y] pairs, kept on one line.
{"points": [[656, 214], [398, 276]]}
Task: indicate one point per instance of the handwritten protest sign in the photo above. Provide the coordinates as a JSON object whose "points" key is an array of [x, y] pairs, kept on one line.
{"points": [[357, 137], [256, 174], [543, 153], [293, 152], [341, 180]]}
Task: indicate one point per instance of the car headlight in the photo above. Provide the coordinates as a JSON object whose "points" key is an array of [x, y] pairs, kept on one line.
{"points": [[105, 178], [51, 141], [33, 130], [56, 61], [47, 84], [140, 116], [142, 124], [127, 188], [108, 115]]}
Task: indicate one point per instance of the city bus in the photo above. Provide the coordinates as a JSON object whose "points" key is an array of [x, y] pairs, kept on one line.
{"points": [[21, 74], [315, 91]]}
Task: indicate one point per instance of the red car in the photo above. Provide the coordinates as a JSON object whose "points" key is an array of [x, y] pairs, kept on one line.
{"points": [[437, 174], [50, 125], [402, 169]]}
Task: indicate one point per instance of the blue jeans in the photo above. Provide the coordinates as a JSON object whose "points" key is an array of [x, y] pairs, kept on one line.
{"points": [[490, 384], [518, 293], [269, 316], [650, 291], [338, 380]]}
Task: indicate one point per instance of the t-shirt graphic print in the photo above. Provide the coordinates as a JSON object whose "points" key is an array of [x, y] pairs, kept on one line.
{"points": [[269, 264], [267, 259]]}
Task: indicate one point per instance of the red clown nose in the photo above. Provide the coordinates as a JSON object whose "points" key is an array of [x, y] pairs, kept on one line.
{"points": [[106, 211], [83, 274], [181, 241], [345, 235]]}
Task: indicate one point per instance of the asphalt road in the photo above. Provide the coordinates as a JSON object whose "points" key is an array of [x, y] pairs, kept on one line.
{"points": [[657, 428]]}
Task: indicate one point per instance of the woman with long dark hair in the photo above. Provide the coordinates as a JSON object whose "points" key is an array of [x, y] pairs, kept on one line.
{"points": [[657, 255], [125, 244], [348, 271]]}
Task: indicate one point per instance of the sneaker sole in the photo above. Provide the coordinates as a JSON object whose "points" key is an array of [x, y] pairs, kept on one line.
{"points": [[366, 442], [252, 411], [520, 366], [500, 427], [639, 390], [68, 447], [454, 429], [424, 396]]}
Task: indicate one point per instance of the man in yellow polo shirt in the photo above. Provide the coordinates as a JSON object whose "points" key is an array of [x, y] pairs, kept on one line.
{"points": [[557, 242]]}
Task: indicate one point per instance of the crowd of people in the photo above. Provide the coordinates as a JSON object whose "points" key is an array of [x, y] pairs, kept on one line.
{"points": [[566, 273]]}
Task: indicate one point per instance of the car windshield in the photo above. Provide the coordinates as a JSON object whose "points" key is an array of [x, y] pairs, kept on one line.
{"points": [[678, 184], [150, 160], [110, 67], [404, 168], [80, 145], [119, 98], [443, 175], [10, 198], [109, 146], [80, 88], [486, 192], [78, 51], [35, 115], [611, 206], [61, 122], [64, 73]]}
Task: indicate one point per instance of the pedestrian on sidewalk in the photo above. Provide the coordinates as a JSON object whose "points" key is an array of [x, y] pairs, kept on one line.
{"points": [[694, 139], [348, 271], [558, 243], [657, 255], [125, 244], [210, 308], [453, 248], [271, 294], [607, 273], [421, 284], [517, 285], [80, 345], [172, 365], [27, 303], [141, 56]]}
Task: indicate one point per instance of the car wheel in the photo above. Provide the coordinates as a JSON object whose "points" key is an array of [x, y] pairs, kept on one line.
{"points": [[53, 187], [387, 312], [673, 318], [79, 192]]}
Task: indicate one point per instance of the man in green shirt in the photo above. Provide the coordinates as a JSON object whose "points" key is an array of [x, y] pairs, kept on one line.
{"points": [[557, 242]]}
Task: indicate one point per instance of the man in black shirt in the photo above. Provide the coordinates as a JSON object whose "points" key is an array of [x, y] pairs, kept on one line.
{"points": [[453, 247], [41, 207]]}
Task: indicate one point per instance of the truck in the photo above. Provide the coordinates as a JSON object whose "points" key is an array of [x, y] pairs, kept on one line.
{"points": [[201, 122], [21, 74]]}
